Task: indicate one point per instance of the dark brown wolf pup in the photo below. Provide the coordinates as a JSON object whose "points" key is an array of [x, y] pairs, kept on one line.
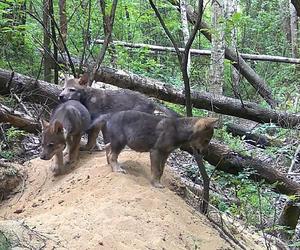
{"points": [[155, 134]]}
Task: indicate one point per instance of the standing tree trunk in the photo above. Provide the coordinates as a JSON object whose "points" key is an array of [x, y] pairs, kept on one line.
{"points": [[285, 18], [294, 31], [54, 41], [254, 79], [218, 50], [230, 9], [46, 41], [185, 30], [62, 25]]}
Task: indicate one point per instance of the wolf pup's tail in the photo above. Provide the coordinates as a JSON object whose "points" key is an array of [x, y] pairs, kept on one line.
{"points": [[100, 121]]}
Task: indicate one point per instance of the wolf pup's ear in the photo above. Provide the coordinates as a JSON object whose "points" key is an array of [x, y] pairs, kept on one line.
{"points": [[210, 122], [84, 79], [44, 124], [57, 127]]}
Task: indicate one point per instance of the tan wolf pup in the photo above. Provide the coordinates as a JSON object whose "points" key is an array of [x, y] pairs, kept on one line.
{"points": [[67, 124], [155, 134]]}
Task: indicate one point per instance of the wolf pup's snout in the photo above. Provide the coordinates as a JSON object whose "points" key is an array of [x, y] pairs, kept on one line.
{"points": [[61, 97]]}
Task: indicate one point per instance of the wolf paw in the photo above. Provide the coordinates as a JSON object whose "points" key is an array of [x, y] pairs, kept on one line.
{"points": [[119, 169], [157, 184]]}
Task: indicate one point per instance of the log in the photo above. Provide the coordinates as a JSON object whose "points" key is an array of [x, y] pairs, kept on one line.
{"points": [[31, 89], [201, 100], [202, 52], [238, 62], [228, 161], [219, 154], [288, 219], [46, 93], [258, 140], [19, 120]]}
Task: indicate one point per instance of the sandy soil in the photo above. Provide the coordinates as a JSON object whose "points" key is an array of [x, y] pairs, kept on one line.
{"points": [[93, 208]]}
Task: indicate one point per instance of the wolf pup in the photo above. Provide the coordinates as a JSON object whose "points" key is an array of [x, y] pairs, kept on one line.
{"points": [[67, 123], [99, 102], [155, 134]]}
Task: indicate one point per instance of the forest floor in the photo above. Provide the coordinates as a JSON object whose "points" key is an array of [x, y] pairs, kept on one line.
{"points": [[93, 208]]}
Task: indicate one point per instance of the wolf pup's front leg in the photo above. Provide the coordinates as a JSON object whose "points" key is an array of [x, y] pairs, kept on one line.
{"points": [[58, 167]]}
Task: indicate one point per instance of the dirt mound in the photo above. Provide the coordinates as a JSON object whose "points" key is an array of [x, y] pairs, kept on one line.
{"points": [[93, 208]]}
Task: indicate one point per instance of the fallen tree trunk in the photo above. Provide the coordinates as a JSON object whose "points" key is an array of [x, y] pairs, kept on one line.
{"points": [[226, 160], [288, 219], [46, 93], [238, 62], [219, 155], [19, 120], [201, 100], [29, 88], [203, 52], [248, 136]]}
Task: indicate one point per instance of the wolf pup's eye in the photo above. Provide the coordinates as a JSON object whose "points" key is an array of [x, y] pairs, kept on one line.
{"points": [[51, 144], [72, 90]]}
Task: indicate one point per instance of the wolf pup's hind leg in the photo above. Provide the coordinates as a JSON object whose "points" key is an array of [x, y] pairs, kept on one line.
{"points": [[157, 166], [92, 139]]}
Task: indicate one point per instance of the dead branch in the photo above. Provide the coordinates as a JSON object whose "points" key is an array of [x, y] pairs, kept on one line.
{"points": [[203, 52]]}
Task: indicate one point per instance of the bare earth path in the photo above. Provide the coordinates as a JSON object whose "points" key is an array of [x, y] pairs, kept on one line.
{"points": [[93, 208]]}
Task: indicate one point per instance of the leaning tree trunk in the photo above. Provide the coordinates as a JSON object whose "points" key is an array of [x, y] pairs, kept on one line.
{"points": [[219, 154]]}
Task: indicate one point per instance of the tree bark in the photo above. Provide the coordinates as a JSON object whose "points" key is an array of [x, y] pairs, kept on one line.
{"points": [[238, 62], [285, 18], [46, 41], [288, 219], [54, 40], [230, 9], [217, 51], [185, 31], [219, 155], [294, 31], [296, 4], [201, 100], [63, 25]]}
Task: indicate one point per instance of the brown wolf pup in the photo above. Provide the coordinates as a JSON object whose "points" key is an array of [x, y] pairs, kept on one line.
{"points": [[99, 102], [67, 123], [155, 134]]}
